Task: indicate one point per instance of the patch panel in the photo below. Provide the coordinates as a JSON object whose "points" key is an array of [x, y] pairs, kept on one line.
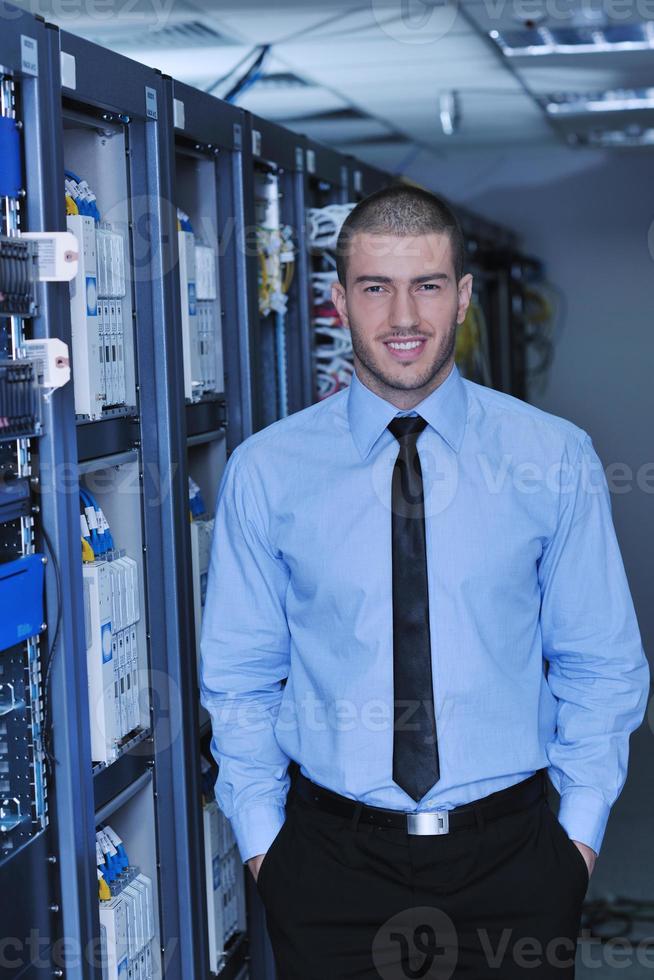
{"points": [[200, 314], [23, 785], [112, 609], [201, 537], [126, 911], [97, 316], [18, 277], [225, 883]]}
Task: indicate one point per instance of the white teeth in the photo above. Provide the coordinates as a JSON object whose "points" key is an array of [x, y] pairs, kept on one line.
{"points": [[409, 345]]}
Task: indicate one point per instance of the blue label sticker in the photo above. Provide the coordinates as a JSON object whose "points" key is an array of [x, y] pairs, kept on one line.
{"points": [[106, 643], [216, 874], [91, 296], [192, 309]]}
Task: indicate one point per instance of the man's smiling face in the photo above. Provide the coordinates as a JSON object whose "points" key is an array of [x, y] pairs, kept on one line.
{"points": [[402, 304]]}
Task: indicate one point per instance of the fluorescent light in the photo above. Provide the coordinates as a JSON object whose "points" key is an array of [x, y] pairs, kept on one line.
{"points": [[538, 41], [631, 136], [619, 100]]}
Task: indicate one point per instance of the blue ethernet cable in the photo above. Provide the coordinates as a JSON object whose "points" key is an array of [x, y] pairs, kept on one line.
{"points": [[121, 857], [94, 540], [184, 221], [282, 380], [196, 501], [107, 539], [84, 205]]}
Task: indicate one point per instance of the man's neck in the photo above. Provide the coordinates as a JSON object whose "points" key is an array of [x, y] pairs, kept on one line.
{"points": [[403, 399]]}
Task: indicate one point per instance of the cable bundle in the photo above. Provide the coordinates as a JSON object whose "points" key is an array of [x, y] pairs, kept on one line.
{"points": [[197, 506], [332, 353], [96, 534], [324, 225], [471, 351], [80, 199], [183, 221], [276, 267]]}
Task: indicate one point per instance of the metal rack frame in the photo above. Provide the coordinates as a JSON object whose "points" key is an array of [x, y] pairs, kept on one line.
{"points": [[36, 861], [267, 141], [137, 92]]}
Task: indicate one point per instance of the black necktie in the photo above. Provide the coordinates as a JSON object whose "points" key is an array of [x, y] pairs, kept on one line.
{"points": [[415, 747]]}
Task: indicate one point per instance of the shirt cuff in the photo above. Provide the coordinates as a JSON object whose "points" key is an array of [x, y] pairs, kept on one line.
{"points": [[255, 828], [584, 816]]}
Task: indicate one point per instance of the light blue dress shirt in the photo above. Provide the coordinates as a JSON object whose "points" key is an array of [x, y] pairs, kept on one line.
{"points": [[536, 653]]}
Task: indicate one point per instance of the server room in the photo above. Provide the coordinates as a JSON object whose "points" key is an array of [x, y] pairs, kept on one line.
{"points": [[326, 489]]}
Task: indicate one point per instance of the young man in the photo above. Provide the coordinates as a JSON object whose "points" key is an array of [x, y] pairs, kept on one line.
{"points": [[416, 596]]}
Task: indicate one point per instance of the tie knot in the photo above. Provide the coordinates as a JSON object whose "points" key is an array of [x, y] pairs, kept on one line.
{"points": [[407, 425]]}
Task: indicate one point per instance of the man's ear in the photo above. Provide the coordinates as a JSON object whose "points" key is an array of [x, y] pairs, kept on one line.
{"points": [[338, 299], [465, 294]]}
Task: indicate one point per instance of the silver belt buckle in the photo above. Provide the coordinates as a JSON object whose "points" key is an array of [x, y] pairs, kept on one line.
{"points": [[428, 822]]}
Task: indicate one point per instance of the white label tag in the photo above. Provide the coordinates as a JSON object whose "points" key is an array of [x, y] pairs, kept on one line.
{"points": [[29, 55], [58, 255], [68, 67], [179, 119], [151, 103]]}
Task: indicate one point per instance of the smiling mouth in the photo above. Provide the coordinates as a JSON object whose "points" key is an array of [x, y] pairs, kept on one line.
{"points": [[406, 348]]}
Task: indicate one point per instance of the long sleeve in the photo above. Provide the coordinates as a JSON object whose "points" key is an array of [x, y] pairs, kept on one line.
{"points": [[590, 637], [244, 647]]}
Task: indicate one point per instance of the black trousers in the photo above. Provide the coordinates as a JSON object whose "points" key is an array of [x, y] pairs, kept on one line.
{"points": [[500, 900]]}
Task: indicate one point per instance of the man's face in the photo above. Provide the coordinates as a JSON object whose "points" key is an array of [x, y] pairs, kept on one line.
{"points": [[402, 289]]}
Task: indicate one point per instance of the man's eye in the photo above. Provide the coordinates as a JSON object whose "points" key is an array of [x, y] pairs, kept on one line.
{"points": [[368, 288], [431, 285]]}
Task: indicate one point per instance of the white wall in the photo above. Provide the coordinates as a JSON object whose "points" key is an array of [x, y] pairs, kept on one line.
{"points": [[587, 214]]}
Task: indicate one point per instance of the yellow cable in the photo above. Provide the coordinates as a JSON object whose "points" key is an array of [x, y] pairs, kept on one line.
{"points": [[264, 291], [87, 551], [288, 276]]}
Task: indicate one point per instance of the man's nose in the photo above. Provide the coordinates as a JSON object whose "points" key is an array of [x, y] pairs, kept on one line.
{"points": [[404, 310]]}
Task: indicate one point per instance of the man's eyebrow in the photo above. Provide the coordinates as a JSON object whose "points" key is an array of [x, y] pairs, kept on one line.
{"points": [[415, 279]]}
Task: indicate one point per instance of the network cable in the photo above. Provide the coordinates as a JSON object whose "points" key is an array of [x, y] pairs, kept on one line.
{"points": [[46, 736], [95, 515], [79, 195], [333, 355]]}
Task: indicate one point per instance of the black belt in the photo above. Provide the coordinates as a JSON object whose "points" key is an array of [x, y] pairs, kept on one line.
{"points": [[504, 801]]}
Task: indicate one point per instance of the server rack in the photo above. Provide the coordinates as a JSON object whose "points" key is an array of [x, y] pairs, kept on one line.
{"points": [[32, 832], [127, 456], [490, 251], [328, 175], [274, 200], [328, 178], [209, 180], [366, 179]]}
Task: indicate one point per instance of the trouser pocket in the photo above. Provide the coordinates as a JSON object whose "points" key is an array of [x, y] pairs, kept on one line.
{"points": [[575, 856], [270, 855]]}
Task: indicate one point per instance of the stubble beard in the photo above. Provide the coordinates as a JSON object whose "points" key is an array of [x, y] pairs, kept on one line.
{"points": [[376, 372]]}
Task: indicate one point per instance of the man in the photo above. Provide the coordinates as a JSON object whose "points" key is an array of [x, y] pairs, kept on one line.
{"points": [[416, 596]]}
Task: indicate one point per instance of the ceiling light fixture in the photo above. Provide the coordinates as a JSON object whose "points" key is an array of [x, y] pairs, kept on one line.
{"points": [[630, 136], [616, 100], [539, 41]]}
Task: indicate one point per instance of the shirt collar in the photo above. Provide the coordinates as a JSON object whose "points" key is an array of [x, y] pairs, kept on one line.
{"points": [[445, 410]]}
